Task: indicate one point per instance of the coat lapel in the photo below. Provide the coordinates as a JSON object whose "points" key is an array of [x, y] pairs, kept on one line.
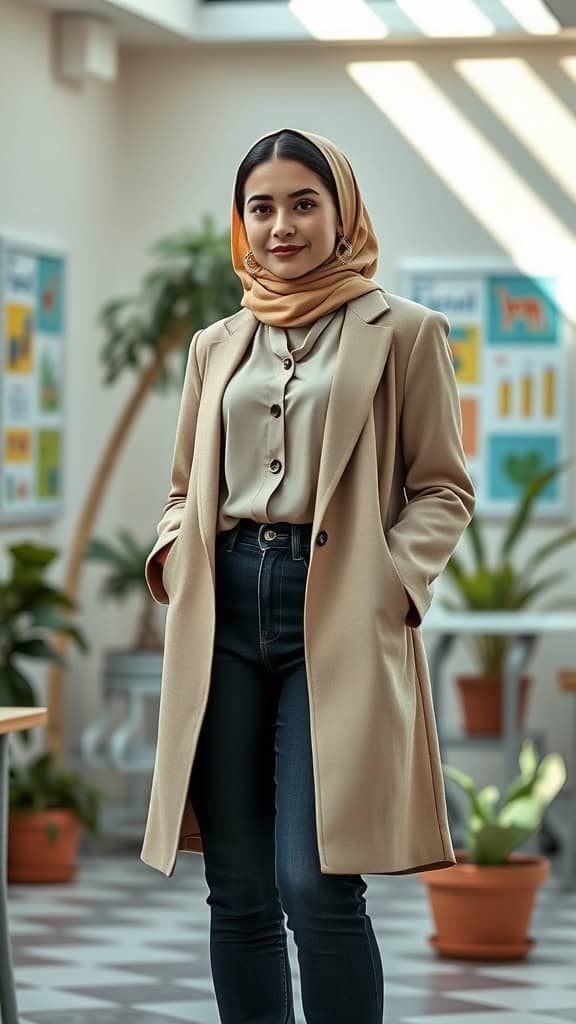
{"points": [[362, 354]]}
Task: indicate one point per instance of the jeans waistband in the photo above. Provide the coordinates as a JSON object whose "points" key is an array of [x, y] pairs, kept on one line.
{"points": [[268, 535]]}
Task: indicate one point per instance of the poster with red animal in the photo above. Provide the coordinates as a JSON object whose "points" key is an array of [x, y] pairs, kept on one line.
{"points": [[509, 339], [32, 337]]}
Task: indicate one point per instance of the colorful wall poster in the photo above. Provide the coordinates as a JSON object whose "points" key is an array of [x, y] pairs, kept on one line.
{"points": [[32, 366], [509, 340]]}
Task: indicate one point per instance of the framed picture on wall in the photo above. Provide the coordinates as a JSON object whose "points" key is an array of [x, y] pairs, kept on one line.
{"points": [[32, 339], [510, 341]]}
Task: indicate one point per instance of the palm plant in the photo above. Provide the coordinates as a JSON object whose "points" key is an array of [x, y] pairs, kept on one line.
{"points": [[504, 586], [32, 614], [192, 284], [126, 561]]}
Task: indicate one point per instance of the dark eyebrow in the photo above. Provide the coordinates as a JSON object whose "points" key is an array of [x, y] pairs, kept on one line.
{"points": [[291, 195]]}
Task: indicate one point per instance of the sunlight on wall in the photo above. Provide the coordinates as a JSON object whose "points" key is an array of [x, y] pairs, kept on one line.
{"points": [[471, 167], [533, 15], [449, 18], [531, 111], [349, 19]]}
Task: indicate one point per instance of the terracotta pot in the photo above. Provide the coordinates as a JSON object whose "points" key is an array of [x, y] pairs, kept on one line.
{"points": [[43, 846], [481, 912], [482, 700]]}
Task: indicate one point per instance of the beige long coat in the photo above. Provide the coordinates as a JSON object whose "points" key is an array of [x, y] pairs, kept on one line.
{"points": [[393, 498]]}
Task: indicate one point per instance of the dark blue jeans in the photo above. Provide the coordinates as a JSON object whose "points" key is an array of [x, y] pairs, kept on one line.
{"points": [[252, 786]]}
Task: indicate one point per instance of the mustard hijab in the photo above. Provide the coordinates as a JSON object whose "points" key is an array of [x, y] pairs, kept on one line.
{"points": [[274, 300]]}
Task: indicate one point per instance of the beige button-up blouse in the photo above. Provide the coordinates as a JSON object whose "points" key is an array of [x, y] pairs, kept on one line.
{"points": [[273, 413]]}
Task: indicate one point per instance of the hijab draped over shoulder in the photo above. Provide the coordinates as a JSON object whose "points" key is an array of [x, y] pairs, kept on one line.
{"points": [[274, 300]]}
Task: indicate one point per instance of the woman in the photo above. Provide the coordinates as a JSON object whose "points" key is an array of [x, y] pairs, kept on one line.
{"points": [[318, 488]]}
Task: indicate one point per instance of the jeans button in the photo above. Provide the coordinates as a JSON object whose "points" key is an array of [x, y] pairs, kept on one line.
{"points": [[270, 534]]}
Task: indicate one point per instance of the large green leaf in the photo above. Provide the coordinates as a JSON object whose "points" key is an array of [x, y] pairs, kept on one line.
{"points": [[37, 647], [15, 689], [525, 508]]}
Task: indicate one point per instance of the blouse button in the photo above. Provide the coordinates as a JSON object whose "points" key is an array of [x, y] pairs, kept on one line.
{"points": [[275, 410], [275, 466], [287, 364]]}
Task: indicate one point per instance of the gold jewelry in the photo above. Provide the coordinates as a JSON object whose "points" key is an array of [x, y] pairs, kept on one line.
{"points": [[251, 264], [343, 250]]}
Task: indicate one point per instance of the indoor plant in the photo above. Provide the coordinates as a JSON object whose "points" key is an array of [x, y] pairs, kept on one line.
{"points": [[48, 807], [502, 587], [482, 906], [126, 562], [32, 613], [191, 283]]}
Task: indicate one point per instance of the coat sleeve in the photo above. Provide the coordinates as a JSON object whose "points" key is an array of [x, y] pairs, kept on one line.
{"points": [[440, 493], [171, 519]]}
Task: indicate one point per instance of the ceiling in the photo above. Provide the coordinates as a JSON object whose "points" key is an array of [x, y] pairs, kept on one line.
{"points": [[181, 22]]}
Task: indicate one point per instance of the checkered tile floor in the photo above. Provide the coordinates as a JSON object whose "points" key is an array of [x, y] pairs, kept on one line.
{"points": [[122, 944]]}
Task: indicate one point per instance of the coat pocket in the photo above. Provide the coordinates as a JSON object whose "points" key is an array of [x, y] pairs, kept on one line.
{"points": [[396, 577], [167, 566]]}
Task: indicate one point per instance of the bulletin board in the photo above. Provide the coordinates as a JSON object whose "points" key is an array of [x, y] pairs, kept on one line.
{"points": [[510, 343], [32, 337]]}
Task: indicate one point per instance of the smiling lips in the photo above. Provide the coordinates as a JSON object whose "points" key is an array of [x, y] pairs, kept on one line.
{"points": [[287, 250]]}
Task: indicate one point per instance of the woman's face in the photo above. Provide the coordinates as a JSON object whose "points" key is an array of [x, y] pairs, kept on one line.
{"points": [[290, 218]]}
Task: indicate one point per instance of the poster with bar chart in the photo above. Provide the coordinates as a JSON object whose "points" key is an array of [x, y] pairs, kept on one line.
{"points": [[32, 332], [509, 341]]}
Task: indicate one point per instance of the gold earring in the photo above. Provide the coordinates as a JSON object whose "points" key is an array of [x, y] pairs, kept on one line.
{"points": [[251, 264], [343, 250]]}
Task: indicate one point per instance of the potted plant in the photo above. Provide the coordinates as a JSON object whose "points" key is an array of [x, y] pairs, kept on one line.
{"points": [[126, 562], [482, 906], [502, 587], [48, 807], [147, 334], [132, 673], [32, 613]]}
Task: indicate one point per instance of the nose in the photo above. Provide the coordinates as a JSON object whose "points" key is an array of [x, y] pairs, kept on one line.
{"points": [[283, 227]]}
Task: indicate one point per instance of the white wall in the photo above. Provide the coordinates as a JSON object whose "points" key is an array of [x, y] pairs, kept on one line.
{"points": [[59, 147], [108, 169]]}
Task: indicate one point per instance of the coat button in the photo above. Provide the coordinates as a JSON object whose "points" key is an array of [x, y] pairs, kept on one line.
{"points": [[287, 364], [275, 466], [275, 410], [322, 537]]}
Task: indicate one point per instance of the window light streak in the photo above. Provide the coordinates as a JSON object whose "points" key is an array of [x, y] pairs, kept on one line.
{"points": [[533, 15], [569, 65], [346, 19], [472, 168], [447, 17], [530, 110]]}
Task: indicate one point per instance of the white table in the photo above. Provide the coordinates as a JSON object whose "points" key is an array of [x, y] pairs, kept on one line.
{"points": [[525, 629]]}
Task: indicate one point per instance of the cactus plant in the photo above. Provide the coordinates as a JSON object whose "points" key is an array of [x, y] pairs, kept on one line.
{"points": [[493, 833]]}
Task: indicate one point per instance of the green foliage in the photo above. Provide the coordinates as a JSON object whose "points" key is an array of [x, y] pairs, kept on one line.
{"points": [[505, 586], [193, 285], [493, 834], [41, 786], [31, 613], [126, 562]]}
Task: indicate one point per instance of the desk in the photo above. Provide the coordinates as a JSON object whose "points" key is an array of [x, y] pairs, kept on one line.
{"points": [[524, 628], [11, 720]]}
